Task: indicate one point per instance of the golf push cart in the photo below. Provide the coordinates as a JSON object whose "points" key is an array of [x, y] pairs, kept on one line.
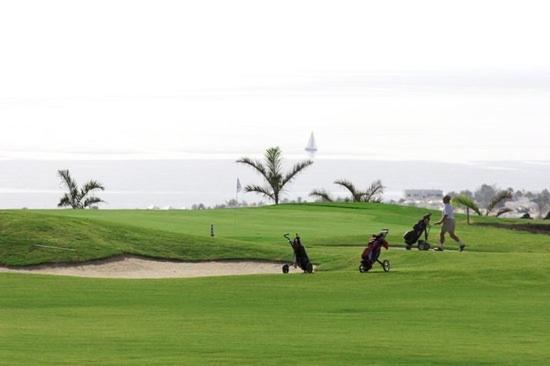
{"points": [[300, 256], [413, 237], [371, 253]]}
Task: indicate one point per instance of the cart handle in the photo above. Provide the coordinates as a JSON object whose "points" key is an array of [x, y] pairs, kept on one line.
{"points": [[287, 237]]}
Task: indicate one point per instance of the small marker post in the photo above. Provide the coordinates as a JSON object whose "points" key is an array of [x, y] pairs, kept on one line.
{"points": [[212, 230]]}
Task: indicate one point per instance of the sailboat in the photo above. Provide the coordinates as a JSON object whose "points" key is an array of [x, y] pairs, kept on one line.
{"points": [[311, 147]]}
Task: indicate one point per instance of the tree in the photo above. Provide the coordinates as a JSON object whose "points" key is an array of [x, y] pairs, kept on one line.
{"points": [[498, 201], [232, 203], [467, 203], [272, 172], [322, 195], [467, 193], [517, 195], [79, 197], [485, 194], [491, 198], [542, 200], [356, 195], [374, 192], [371, 194]]}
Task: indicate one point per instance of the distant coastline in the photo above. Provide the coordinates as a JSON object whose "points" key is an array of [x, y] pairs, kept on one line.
{"points": [[180, 183]]}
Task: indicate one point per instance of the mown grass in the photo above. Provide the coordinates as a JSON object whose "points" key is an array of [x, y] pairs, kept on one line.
{"points": [[448, 309], [319, 224], [487, 306]]}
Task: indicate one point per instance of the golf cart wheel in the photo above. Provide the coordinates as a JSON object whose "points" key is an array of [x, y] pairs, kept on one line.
{"points": [[386, 265], [309, 268], [408, 247], [427, 246], [362, 268], [286, 268], [421, 245]]}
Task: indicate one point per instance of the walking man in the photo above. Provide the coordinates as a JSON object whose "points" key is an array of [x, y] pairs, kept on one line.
{"points": [[447, 223]]}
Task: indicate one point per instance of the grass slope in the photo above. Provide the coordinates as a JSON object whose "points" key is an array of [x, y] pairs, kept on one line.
{"points": [[22, 231], [449, 309], [319, 224], [487, 306], [254, 233]]}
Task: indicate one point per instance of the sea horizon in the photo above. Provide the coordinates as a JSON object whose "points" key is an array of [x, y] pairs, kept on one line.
{"points": [[181, 183]]}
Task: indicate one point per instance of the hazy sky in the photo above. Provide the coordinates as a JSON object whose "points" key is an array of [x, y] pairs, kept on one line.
{"points": [[443, 80]]}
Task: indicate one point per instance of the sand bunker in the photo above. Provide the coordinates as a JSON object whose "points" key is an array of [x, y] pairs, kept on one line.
{"points": [[136, 267]]}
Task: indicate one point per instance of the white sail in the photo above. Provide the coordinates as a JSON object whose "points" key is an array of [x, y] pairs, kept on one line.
{"points": [[311, 145]]}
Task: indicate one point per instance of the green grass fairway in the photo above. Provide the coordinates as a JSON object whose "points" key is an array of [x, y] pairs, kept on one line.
{"points": [[487, 306]]}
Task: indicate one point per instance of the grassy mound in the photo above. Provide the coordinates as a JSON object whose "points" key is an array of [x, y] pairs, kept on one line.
{"points": [[28, 237], [254, 233]]}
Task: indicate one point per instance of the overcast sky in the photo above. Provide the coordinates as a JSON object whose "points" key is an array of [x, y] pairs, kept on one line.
{"points": [[441, 80]]}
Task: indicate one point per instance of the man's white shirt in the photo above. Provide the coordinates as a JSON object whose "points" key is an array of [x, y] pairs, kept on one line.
{"points": [[449, 211]]}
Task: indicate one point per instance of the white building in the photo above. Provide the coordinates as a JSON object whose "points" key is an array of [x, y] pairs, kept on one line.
{"points": [[423, 194]]}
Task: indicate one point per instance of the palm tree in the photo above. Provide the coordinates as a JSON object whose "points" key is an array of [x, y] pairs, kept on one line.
{"points": [[77, 197], [272, 172], [468, 203], [497, 200], [356, 195], [321, 194], [374, 192]]}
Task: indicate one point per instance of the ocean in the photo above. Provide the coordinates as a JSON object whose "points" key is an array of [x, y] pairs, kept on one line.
{"points": [[182, 183]]}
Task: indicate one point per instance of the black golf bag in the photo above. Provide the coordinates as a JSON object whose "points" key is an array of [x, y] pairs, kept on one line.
{"points": [[413, 237], [301, 258]]}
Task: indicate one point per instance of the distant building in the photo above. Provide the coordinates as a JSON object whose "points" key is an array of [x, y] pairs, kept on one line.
{"points": [[423, 194]]}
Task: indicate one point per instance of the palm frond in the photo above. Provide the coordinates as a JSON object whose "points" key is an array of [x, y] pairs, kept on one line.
{"points": [[91, 200], [374, 192], [65, 201], [67, 180], [274, 166], [497, 200], [90, 186], [321, 194], [256, 164], [261, 190], [503, 211], [355, 194], [296, 169], [467, 202], [71, 185], [273, 161]]}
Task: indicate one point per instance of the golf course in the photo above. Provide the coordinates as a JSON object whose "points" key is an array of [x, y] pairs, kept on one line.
{"points": [[488, 305]]}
